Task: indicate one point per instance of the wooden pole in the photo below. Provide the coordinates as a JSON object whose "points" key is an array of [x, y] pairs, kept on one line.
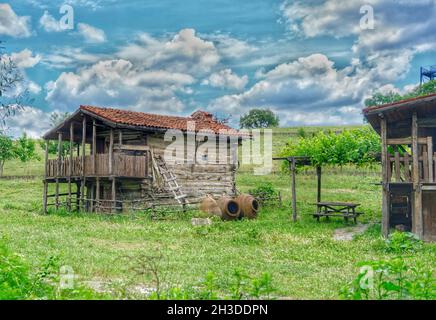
{"points": [[44, 197], [294, 192], [58, 168], [385, 179], [114, 194], [94, 147], [70, 167], [417, 203], [120, 136], [91, 205], [97, 194], [430, 159], [111, 151], [318, 175], [82, 187]]}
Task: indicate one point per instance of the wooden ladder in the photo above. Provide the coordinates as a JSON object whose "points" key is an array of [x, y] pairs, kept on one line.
{"points": [[170, 180]]}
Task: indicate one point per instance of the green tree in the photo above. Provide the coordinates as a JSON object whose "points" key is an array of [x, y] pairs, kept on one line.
{"points": [[6, 151], [379, 98], [22, 149], [57, 118], [259, 118], [11, 78]]}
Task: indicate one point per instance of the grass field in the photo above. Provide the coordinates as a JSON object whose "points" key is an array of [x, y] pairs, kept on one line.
{"points": [[302, 258]]}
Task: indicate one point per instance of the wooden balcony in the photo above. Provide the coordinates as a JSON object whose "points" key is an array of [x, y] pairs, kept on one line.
{"points": [[122, 166], [400, 168]]}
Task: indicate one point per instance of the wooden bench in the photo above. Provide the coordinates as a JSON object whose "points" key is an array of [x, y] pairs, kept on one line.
{"points": [[345, 210]]}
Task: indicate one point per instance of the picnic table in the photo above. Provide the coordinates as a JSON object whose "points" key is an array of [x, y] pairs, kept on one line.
{"points": [[337, 209]]}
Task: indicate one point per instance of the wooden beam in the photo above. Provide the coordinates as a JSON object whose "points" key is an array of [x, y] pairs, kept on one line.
{"points": [[70, 167], [404, 141], [111, 151], [417, 203], [120, 137], [294, 192], [385, 177], [97, 193], [114, 194], [58, 169], [83, 180], [83, 145], [430, 159], [94, 147], [318, 175], [131, 147], [44, 195]]}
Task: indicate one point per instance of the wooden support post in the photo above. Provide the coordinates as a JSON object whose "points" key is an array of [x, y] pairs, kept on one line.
{"points": [[70, 167], [318, 174], [430, 159], [120, 137], [58, 168], [94, 147], [83, 180], [385, 177], [114, 194], [417, 203], [111, 151], [44, 197], [91, 204], [77, 196], [97, 194], [294, 192], [83, 145]]}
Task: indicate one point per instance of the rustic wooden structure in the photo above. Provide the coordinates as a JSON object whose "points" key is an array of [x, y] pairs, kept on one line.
{"points": [[293, 162], [346, 210], [116, 161], [324, 209], [408, 131]]}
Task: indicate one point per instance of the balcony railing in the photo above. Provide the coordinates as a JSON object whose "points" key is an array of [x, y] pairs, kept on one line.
{"points": [[122, 166]]}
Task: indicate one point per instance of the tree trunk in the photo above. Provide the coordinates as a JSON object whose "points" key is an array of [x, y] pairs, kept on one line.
{"points": [[2, 164]]}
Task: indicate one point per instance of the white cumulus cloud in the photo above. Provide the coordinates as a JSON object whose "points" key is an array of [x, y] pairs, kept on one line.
{"points": [[13, 25], [226, 79], [91, 34]]}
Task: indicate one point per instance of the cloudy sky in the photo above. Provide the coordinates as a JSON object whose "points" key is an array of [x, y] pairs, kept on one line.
{"points": [[310, 61]]}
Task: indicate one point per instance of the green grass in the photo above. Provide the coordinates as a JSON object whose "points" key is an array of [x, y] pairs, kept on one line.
{"points": [[302, 258]]}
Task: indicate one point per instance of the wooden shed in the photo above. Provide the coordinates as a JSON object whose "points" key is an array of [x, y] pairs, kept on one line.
{"points": [[408, 132], [116, 160]]}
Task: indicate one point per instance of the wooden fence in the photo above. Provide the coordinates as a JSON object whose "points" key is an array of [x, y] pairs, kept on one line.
{"points": [[400, 167], [122, 166]]}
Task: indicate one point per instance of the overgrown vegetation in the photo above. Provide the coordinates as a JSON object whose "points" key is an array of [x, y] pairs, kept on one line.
{"points": [[18, 281], [383, 98], [22, 149], [391, 279], [356, 146], [403, 242]]}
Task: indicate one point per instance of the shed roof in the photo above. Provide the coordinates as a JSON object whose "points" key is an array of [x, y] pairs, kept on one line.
{"points": [[203, 120], [400, 113]]}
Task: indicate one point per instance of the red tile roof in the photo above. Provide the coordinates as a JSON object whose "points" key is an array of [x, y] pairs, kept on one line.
{"points": [[203, 120], [397, 103]]}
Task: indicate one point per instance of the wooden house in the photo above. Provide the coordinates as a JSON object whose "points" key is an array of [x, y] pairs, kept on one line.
{"points": [[408, 132], [116, 160]]}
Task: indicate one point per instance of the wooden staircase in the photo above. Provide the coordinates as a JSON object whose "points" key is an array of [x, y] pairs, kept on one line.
{"points": [[170, 180]]}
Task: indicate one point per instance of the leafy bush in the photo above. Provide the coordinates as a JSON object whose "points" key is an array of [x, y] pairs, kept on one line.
{"points": [[403, 242], [265, 193], [239, 286], [18, 282], [384, 280], [357, 146]]}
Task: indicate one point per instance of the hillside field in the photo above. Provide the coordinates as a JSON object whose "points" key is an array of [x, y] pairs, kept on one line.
{"points": [[302, 259]]}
